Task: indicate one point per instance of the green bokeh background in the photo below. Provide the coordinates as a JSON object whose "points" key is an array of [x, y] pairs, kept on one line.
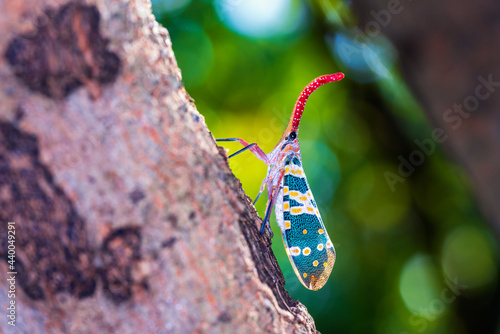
{"points": [[414, 257]]}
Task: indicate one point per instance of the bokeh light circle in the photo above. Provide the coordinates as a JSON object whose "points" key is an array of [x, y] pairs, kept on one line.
{"points": [[261, 18], [419, 287], [468, 257]]}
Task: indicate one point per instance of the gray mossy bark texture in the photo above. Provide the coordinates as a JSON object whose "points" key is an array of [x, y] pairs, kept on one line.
{"points": [[128, 218], [449, 54]]}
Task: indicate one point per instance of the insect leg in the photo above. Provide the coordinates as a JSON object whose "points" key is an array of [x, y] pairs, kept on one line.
{"points": [[262, 186], [228, 139], [242, 150], [254, 148], [276, 191], [266, 218]]}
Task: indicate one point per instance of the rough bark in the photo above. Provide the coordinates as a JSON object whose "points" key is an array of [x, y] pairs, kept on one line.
{"points": [[127, 216], [447, 50]]}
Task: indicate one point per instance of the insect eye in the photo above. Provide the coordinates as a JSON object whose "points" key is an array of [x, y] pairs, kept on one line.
{"points": [[293, 135]]}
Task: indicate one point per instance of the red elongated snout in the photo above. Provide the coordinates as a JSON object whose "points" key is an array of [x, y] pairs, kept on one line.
{"points": [[298, 110]]}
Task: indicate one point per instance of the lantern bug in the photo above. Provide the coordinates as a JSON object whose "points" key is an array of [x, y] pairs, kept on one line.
{"points": [[306, 241]]}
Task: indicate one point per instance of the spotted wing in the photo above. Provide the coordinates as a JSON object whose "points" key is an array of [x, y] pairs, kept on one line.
{"points": [[308, 246]]}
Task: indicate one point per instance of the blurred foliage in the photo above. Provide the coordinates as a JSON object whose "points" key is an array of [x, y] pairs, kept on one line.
{"points": [[413, 256]]}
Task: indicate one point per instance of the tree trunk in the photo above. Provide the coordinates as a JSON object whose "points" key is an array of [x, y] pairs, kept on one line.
{"points": [[127, 217], [449, 53]]}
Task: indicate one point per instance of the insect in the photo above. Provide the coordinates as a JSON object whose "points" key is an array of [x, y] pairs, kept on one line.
{"points": [[306, 241]]}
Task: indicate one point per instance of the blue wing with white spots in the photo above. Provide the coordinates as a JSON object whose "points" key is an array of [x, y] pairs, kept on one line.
{"points": [[308, 246]]}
